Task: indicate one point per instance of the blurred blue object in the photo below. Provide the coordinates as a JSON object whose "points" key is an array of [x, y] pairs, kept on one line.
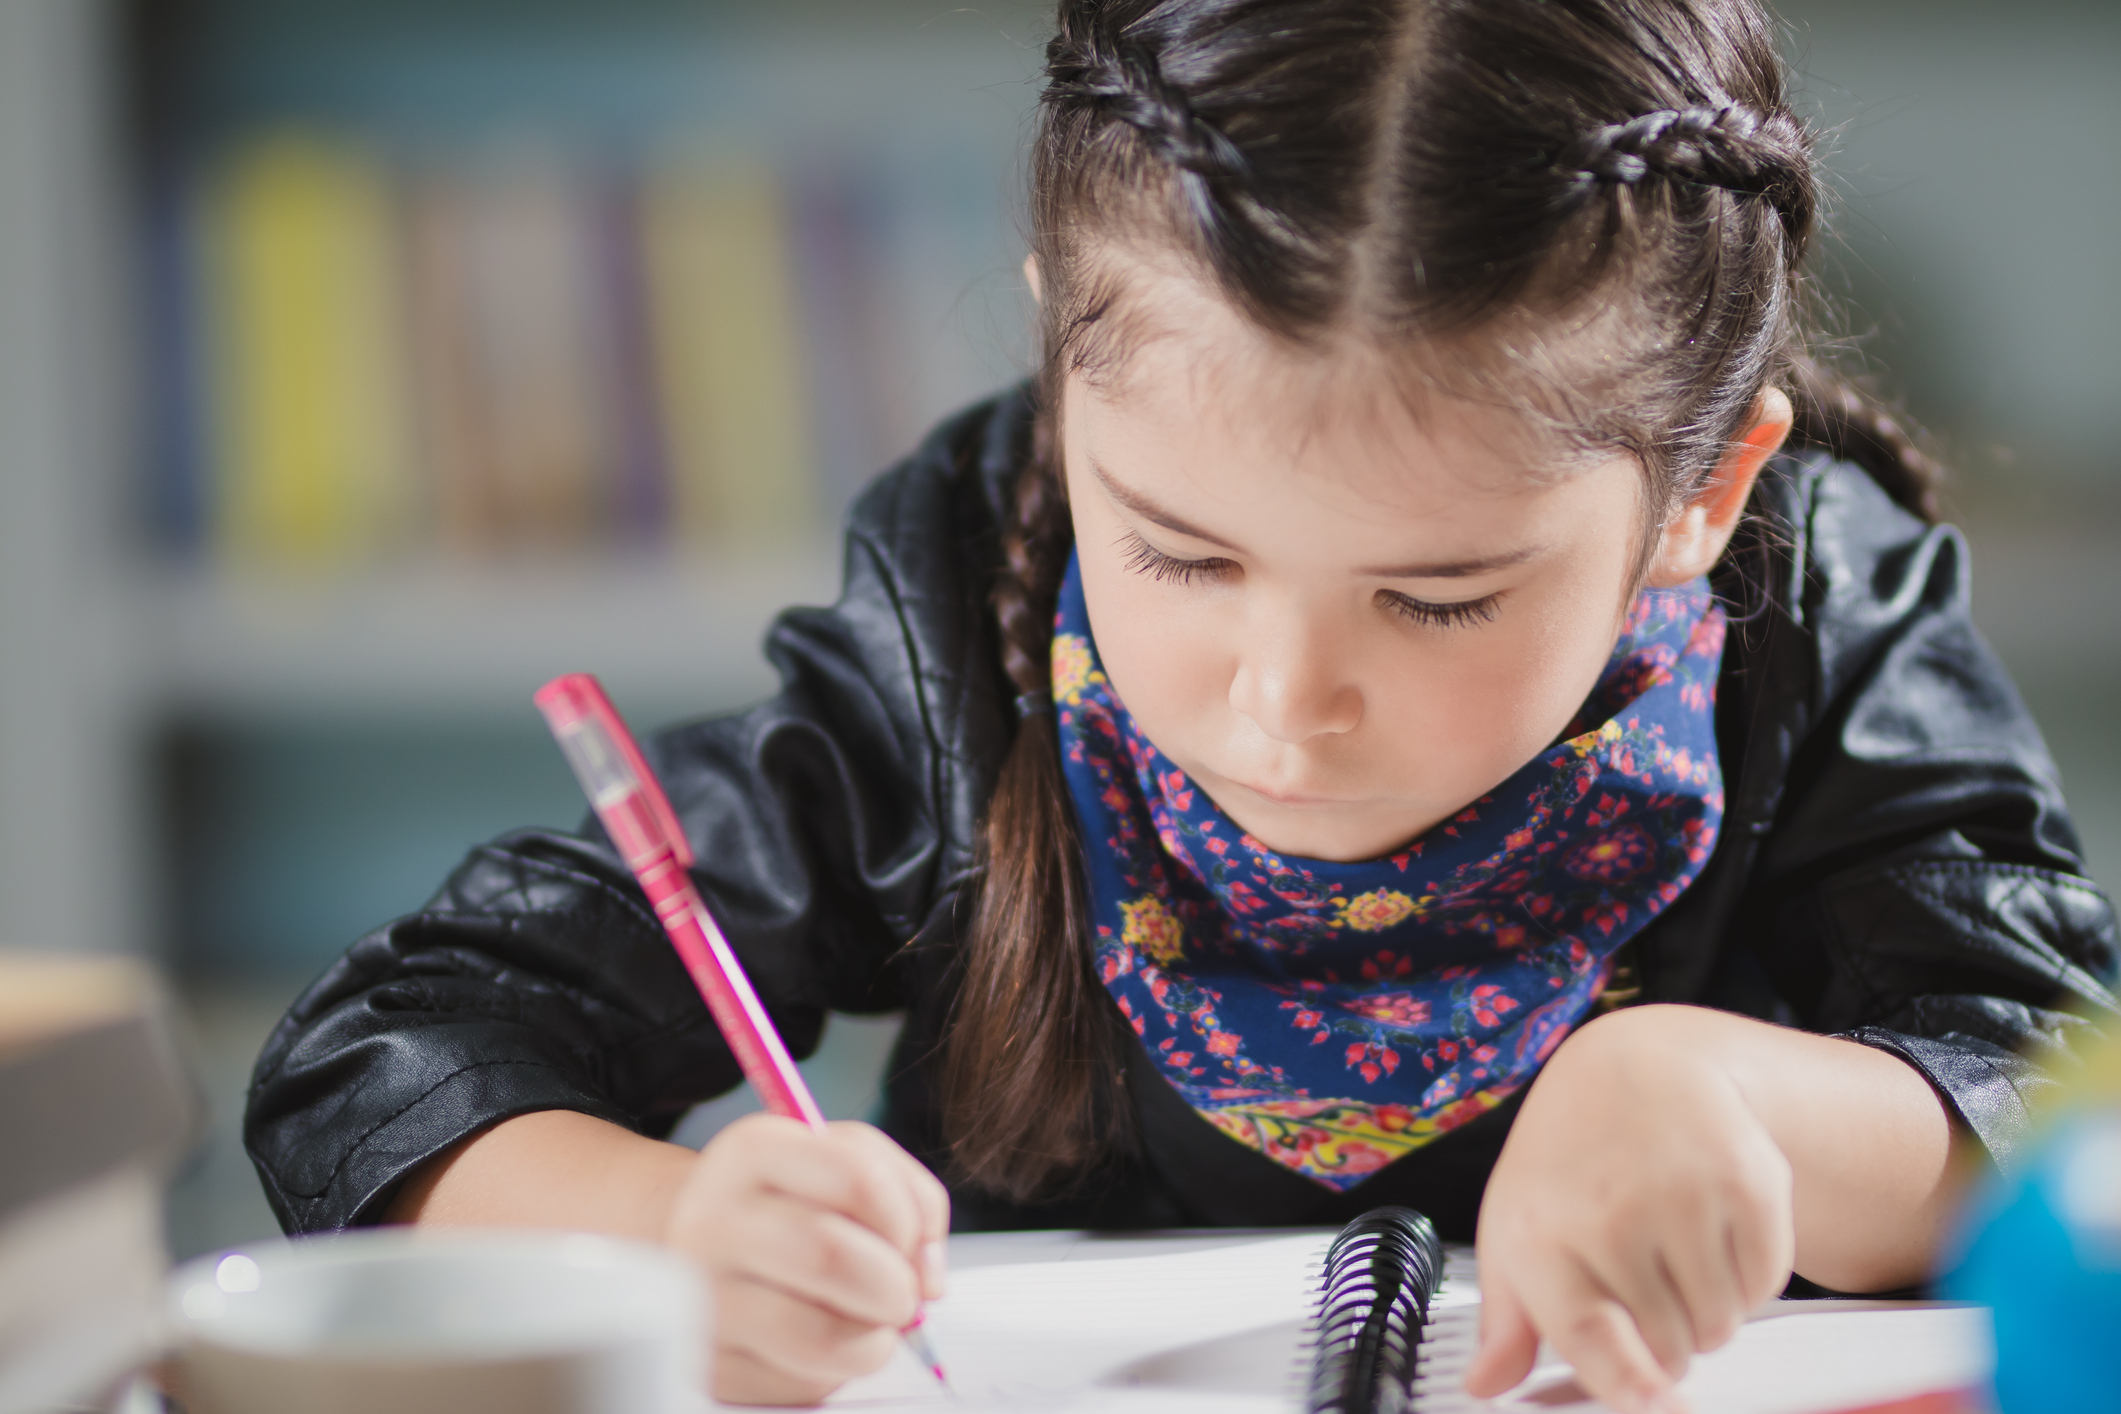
{"points": [[2043, 1249]]}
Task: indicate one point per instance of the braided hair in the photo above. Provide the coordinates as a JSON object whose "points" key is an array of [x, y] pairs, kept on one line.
{"points": [[1730, 147], [1617, 186]]}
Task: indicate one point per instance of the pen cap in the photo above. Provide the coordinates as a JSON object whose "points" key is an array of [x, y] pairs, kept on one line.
{"points": [[613, 773]]}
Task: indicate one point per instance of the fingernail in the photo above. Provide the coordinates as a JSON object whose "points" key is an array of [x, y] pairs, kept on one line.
{"points": [[935, 1270], [1671, 1401]]}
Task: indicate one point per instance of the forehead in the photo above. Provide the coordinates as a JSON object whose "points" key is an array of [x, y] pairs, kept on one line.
{"points": [[1178, 386]]}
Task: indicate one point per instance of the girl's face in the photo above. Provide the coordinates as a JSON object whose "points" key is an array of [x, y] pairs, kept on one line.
{"points": [[1343, 622]]}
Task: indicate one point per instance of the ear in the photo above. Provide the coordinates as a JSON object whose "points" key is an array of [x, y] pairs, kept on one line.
{"points": [[1694, 539], [1031, 278]]}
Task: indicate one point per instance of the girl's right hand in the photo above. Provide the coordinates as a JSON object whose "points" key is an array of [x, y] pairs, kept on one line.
{"points": [[818, 1249]]}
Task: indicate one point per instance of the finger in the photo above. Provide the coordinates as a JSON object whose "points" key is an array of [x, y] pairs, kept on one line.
{"points": [[1763, 1241], [1509, 1345], [930, 1202], [797, 1339], [1590, 1328], [934, 1202], [824, 1258], [925, 1195], [1706, 1275], [931, 1196], [840, 1169], [934, 1265], [740, 1377], [1639, 1280], [873, 1188]]}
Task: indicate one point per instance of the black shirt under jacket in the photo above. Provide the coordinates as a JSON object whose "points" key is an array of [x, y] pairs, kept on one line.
{"points": [[1895, 864]]}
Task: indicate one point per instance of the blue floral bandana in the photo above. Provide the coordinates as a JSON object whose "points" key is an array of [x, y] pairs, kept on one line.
{"points": [[1336, 1017]]}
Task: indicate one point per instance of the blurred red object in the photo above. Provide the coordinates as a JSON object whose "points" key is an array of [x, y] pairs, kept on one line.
{"points": [[1937, 1401]]}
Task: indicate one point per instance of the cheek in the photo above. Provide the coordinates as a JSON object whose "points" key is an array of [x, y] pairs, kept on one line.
{"points": [[1509, 689], [1160, 649]]}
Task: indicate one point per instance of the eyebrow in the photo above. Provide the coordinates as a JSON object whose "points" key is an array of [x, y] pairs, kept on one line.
{"points": [[1449, 569], [1453, 569], [1149, 511]]}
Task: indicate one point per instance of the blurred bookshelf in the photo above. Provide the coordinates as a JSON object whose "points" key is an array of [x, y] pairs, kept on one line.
{"points": [[480, 341], [484, 282], [368, 361], [438, 637], [364, 363]]}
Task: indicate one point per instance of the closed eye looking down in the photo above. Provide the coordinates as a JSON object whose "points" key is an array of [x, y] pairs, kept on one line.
{"points": [[1144, 558]]}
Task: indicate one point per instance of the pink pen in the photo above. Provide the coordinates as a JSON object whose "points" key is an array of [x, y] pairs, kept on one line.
{"points": [[639, 820]]}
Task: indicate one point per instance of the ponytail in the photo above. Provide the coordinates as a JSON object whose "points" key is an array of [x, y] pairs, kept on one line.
{"points": [[1035, 1054]]}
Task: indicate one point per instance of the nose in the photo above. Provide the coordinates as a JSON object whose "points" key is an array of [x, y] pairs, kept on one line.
{"points": [[1292, 683]]}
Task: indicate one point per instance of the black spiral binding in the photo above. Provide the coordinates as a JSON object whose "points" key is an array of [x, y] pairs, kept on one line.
{"points": [[1373, 1304]]}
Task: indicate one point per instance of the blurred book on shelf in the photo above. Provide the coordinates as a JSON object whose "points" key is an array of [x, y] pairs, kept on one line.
{"points": [[366, 354], [727, 331], [298, 271], [507, 318]]}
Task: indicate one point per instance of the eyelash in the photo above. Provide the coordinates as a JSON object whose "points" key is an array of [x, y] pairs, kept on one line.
{"points": [[1460, 615], [1144, 558]]}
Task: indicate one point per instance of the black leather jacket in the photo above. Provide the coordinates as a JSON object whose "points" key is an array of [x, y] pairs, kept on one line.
{"points": [[1895, 865]]}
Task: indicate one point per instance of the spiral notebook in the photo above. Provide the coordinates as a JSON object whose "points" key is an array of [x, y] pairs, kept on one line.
{"points": [[1063, 1320], [1229, 1322], [1372, 1342]]}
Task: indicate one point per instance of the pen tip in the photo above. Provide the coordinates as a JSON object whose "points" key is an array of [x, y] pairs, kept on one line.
{"points": [[917, 1341]]}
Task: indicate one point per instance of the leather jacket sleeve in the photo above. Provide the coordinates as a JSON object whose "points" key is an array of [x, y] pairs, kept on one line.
{"points": [[827, 822], [1899, 865]]}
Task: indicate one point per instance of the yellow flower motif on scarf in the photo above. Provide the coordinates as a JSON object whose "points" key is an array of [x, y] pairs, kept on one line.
{"points": [[1151, 929], [1071, 668], [1375, 910], [1606, 734]]}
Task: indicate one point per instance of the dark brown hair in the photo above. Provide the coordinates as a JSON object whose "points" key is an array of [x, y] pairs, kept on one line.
{"points": [[1605, 203]]}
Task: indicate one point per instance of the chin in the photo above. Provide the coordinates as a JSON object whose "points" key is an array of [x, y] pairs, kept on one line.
{"points": [[1341, 829], [1332, 841], [1329, 851]]}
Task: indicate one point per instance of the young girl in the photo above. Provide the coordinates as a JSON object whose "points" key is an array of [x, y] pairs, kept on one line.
{"points": [[1432, 697]]}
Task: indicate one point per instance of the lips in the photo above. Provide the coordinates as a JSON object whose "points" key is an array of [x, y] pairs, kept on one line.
{"points": [[1295, 800]]}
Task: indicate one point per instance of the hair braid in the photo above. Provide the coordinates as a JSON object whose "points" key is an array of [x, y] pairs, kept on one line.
{"points": [[1731, 147], [1034, 555], [1126, 79], [1035, 1048], [1851, 424], [1131, 81]]}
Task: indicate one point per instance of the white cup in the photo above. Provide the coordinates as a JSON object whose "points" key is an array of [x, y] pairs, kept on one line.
{"points": [[423, 1322]]}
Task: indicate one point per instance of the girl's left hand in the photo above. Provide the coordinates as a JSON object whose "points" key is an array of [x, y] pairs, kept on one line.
{"points": [[1639, 1210]]}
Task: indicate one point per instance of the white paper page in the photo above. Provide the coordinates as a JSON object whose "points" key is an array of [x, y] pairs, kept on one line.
{"points": [[1795, 1357], [1063, 1321], [1220, 1326]]}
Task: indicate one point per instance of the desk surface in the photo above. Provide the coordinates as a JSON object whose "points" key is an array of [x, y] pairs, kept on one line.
{"points": [[1056, 1321]]}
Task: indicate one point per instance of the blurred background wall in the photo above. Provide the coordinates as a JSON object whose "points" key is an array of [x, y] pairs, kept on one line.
{"points": [[365, 362]]}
